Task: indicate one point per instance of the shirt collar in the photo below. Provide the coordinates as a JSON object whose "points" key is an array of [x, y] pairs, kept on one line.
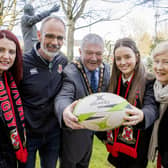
{"points": [[124, 80], [87, 71]]}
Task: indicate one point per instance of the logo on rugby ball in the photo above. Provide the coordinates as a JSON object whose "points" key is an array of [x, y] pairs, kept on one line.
{"points": [[101, 111]]}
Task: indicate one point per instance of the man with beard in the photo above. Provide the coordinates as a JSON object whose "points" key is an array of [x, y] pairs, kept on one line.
{"points": [[28, 24], [42, 79]]}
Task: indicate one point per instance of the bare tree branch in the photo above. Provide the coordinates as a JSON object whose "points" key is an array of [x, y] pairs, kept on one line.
{"points": [[163, 20], [63, 3], [162, 7], [111, 1], [97, 21], [106, 19], [81, 10], [144, 2], [76, 9], [74, 5]]}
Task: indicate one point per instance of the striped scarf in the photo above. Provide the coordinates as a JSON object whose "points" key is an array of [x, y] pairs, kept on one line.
{"points": [[13, 115]]}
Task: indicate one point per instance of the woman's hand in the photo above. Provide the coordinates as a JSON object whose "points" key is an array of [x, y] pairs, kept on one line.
{"points": [[134, 116], [70, 119]]}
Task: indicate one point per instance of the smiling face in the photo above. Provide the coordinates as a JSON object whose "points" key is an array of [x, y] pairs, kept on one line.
{"points": [[160, 67], [91, 55], [52, 37], [125, 59], [7, 54]]}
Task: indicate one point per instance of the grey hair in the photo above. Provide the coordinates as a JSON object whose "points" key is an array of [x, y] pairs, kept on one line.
{"points": [[52, 17], [161, 48], [92, 38]]}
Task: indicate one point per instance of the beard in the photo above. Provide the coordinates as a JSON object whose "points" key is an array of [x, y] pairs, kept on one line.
{"points": [[51, 54]]}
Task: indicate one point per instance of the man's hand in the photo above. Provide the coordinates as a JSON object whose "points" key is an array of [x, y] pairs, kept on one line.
{"points": [[55, 8], [70, 119]]}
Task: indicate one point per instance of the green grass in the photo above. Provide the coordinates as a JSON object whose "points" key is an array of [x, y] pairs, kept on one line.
{"points": [[99, 157]]}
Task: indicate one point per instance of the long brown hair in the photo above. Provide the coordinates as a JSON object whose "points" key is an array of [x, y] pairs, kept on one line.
{"points": [[139, 80], [16, 69]]}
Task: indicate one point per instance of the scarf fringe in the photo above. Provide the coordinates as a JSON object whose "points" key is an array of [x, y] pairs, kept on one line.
{"points": [[22, 155], [120, 147]]}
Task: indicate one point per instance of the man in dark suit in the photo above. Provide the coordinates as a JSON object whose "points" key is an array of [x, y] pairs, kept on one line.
{"points": [[76, 146]]}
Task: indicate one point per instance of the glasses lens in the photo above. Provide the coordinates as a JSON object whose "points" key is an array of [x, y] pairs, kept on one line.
{"points": [[52, 37]]}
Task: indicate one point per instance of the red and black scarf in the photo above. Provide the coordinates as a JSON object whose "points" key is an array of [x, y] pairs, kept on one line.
{"points": [[125, 138], [13, 115]]}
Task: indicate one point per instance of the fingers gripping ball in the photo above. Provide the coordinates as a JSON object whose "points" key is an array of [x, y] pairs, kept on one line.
{"points": [[101, 111]]}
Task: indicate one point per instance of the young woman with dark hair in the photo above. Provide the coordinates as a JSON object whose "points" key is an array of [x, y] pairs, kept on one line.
{"points": [[128, 144], [12, 127]]}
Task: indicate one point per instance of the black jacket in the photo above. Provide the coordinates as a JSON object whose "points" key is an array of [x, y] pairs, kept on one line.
{"points": [[163, 139], [41, 83], [149, 108], [7, 154]]}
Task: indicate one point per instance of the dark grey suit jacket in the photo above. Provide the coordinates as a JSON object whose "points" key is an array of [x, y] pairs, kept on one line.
{"points": [[75, 143]]}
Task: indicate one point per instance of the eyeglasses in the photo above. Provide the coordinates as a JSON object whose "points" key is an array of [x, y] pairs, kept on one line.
{"points": [[51, 36]]}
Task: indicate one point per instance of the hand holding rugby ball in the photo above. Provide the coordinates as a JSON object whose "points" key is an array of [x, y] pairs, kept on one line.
{"points": [[101, 111]]}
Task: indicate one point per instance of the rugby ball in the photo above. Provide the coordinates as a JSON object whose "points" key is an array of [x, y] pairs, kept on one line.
{"points": [[101, 111]]}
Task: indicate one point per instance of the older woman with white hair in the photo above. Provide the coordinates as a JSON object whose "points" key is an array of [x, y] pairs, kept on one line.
{"points": [[159, 139]]}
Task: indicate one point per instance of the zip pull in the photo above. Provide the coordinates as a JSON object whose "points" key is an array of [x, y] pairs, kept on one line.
{"points": [[50, 65]]}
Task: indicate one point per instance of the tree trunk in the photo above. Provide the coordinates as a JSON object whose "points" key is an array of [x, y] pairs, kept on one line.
{"points": [[70, 39], [13, 16], [1, 12]]}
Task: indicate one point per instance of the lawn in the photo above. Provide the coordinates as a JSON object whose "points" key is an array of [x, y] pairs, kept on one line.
{"points": [[99, 157]]}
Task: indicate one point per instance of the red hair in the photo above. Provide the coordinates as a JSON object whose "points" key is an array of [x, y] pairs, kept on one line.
{"points": [[17, 68]]}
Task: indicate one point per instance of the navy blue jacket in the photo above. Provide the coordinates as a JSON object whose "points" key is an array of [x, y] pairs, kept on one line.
{"points": [[41, 83]]}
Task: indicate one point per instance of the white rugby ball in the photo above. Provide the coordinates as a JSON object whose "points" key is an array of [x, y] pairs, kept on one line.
{"points": [[101, 111]]}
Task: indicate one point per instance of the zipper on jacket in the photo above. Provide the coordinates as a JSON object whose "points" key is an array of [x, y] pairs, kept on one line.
{"points": [[50, 65]]}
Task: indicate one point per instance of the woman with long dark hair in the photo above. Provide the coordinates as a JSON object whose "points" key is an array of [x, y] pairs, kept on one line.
{"points": [[12, 127], [128, 145]]}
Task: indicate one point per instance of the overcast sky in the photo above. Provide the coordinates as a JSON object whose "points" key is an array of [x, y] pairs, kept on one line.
{"points": [[140, 19], [135, 21]]}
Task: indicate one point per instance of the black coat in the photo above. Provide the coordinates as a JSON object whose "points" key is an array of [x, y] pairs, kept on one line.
{"points": [[41, 83], [7, 155], [150, 109], [163, 139]]}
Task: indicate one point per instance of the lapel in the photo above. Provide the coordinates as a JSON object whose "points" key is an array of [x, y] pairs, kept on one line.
{"points": [[85, 80], [83, 83]]}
